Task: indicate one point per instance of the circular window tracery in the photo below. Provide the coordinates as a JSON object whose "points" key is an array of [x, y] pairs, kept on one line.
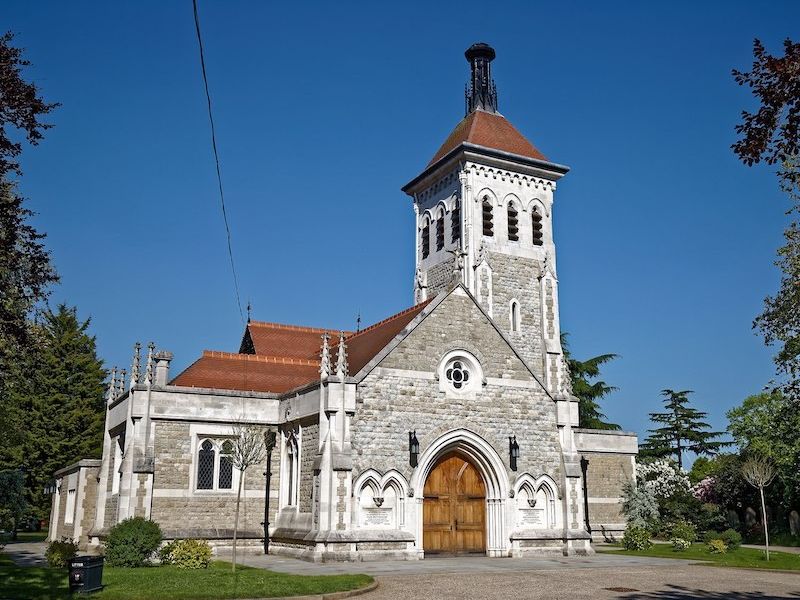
{"points": [[457, 373]]}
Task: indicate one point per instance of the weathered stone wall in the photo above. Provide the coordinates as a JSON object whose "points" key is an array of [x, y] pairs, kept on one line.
{"points": [[184, 512], [606, 474], [89, 502], [440, 276], [391, 403], [63, 529], [515, 277], [308, 452]]}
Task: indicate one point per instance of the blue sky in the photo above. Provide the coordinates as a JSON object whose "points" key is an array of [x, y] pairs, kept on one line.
{"points": [[324, 110]]}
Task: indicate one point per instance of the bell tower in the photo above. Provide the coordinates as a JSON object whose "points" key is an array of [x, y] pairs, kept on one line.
{"points": [[484, 209]]}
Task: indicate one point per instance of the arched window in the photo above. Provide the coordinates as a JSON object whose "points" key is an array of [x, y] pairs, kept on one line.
{"points": [[291, 470], [205, 466], [225, 479], [513, 223], [440, 233], [426, 239], [455, 222], [514, 316], [488, 224], [536, 223]]}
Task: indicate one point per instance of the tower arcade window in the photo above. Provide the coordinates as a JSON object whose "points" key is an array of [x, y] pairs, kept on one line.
{"points": [[455, 222], [536, 223], [488, 224], [440, 233], [513, 223], [426, 240], [514, 316]]}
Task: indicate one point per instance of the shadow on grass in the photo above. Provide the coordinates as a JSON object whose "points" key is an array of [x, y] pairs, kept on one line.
{"points": [[677, 592]]}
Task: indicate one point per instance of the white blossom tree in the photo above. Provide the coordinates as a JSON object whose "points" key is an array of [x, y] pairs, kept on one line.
{"points": [[248, 450], [759, 473]]}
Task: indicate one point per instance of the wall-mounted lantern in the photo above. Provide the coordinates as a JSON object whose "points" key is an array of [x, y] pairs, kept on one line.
{"points": [[513, 451], [413, 448]]}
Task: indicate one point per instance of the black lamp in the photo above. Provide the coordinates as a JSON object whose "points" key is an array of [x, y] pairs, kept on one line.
{"points": [[270, 437], [513, 451], [413, 448]]}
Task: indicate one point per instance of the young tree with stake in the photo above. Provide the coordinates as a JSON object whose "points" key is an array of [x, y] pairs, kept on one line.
{"points": [[248, 450], [759, 473]]}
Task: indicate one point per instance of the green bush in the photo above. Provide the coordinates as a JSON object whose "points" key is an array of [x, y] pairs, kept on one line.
{"points": [[636, 538], [59, 552], [684, 530], [731, 537], [717, 547], [679, 544], [132, 542], [186, 554]]}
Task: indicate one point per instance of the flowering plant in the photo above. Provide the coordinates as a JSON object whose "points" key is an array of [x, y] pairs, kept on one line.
{"points": [[704, 490], [662, 478]]}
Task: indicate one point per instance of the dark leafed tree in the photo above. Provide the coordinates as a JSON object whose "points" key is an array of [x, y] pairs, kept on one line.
{"points": [[21, 106], [772, 134], [61, 394], [588, 389], [683, 429]]}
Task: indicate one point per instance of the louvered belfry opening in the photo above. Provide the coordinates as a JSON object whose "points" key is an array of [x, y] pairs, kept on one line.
{"points": [[488, 224], [513, 224], [426, 241], [440, 233], [536, 222], [455, 222]]}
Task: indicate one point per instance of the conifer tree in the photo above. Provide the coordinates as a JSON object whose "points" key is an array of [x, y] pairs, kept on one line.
{"points": [[684, 429], [61, 394], [589, 392]]}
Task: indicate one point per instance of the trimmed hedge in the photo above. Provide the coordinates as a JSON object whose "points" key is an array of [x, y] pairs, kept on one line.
{"points": [[186, 554]]}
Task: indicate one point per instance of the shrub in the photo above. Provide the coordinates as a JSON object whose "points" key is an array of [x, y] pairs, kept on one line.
{"points": [[717, 547], [132, 542], [684, 530], [679, 544], [731, 537], [186, 554], [59, 552], [636, 538]]}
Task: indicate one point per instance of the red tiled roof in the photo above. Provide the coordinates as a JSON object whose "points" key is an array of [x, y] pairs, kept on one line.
{"points": [[490, 130], [248, 372], [274, 339], [363, 346], [287, 356]]}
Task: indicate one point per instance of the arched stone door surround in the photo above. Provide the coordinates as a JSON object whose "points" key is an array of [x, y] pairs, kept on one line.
{"points": [[482, 455]]}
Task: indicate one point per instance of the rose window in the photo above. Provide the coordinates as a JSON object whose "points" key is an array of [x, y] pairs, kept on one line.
{"points": [[457, 374]]}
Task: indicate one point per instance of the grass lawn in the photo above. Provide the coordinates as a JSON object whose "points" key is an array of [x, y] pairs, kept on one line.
{"points": [[742, 557], [24, 536], [171, 583]]}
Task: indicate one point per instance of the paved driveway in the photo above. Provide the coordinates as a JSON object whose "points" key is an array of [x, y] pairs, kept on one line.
{"points": [[595, 577]]}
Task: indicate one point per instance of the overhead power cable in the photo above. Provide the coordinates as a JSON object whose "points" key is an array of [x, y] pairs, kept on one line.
{"points": [[216, 158]]}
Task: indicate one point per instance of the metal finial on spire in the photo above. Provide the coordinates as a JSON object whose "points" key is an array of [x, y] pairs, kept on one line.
{"points": [[341, 357], [481, 91], [135, 366], [325, 357], [249, 309], [112, 386], [358, 322], [148, 373]]}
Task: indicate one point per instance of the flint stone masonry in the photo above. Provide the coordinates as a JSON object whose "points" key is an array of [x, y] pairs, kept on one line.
{"points": [[308, 454]]}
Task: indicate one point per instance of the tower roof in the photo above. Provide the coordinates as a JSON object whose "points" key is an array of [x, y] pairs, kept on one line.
{"points": [[489, 130]]}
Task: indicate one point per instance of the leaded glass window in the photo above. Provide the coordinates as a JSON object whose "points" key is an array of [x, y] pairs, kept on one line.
{"points": [[457, 374], [205, 466], [226, 466]]}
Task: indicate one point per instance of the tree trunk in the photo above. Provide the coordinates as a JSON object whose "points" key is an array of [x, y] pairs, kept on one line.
{"points": [[236, 518], [764, 514]]}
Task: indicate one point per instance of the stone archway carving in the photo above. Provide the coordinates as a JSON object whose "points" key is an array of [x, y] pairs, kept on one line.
{"points": [[491, 468]]}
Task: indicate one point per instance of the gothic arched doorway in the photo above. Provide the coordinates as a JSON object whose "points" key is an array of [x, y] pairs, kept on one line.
{"points": [[454, 508]]}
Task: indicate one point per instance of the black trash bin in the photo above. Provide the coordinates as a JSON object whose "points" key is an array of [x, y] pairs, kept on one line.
{"points": [[85, 574]]}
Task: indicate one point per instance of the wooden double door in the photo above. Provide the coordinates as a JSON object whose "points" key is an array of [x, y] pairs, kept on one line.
{"points": [[454, 508]]}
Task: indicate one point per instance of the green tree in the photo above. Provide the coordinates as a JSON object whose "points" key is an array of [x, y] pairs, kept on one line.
{"points": [[61, 392], [772, 134], [683, 429], [767, 425], [588, 389], [12, 499]]}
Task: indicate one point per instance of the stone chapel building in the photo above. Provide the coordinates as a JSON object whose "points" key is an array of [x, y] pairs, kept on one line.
{"points": [[449, 427]]}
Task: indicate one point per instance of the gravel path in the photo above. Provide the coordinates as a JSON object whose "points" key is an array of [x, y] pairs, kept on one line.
{"points": [[678, 582]]}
